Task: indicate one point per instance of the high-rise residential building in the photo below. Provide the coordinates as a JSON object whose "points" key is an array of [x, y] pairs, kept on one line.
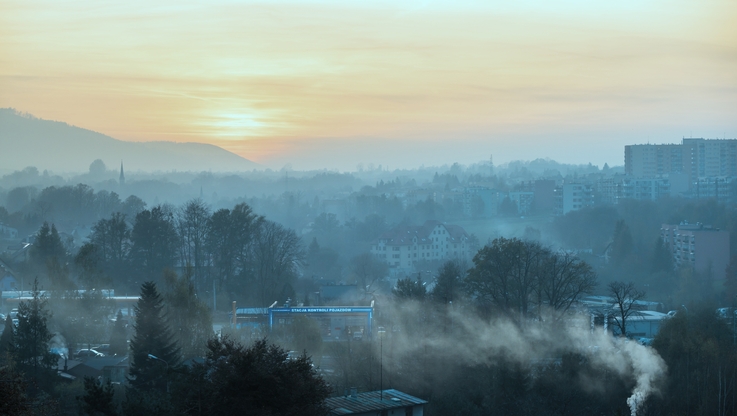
{"points": [[651, 160], [694, 157], [703, 248], [710, 158]]}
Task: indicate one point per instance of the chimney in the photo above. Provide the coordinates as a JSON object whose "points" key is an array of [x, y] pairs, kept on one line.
{"points": [[354, 392], [234, 316]]}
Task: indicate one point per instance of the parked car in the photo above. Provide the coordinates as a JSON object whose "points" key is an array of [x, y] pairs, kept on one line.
{"points": [[645, 341], [103, 348], [88, 352]]}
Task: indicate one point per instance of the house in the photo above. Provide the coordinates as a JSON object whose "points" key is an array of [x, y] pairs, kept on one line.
{"points": [[7, 278], [8, 232], [376, 403], [113, 368], [404, 246]]}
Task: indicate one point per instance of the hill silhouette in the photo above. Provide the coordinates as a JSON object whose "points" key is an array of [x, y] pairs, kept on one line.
{"points": [[29, 141]]}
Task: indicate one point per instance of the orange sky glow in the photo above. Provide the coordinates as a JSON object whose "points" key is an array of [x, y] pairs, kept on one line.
{"points": [[328, 84]]}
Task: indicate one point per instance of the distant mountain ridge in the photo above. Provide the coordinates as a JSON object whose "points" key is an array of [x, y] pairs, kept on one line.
{"points": [[29, 141]]}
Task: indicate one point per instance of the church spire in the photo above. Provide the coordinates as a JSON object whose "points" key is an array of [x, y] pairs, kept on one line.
{"points": [[122, 175]]}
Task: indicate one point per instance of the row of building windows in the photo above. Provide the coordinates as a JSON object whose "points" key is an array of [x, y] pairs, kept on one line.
{"points": [[422, 247]]}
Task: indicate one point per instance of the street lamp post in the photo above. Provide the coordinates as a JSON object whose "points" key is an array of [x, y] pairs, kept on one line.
{"points": [[153, 357]]}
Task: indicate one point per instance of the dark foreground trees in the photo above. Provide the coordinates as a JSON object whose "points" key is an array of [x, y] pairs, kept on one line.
{"points": [[259, 380], [699, 349]]}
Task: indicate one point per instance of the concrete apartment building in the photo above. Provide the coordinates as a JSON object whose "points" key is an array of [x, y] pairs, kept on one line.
{"points": [[487, 198], [652, 160], [404, 246], [694, 157], [701, 247], [613, 190], [572, 197]]}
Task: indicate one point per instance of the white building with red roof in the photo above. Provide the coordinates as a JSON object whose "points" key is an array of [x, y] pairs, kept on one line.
{"points": [[403, 247]]}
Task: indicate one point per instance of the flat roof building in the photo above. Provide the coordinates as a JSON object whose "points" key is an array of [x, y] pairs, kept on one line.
{"points": [[694, 157], [701, 247], [382, 402], [336, 322]]}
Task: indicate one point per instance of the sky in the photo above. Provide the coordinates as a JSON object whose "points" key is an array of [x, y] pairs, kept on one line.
{"points": [[331, 84]]}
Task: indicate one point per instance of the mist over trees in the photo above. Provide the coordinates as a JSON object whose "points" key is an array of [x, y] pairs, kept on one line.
{"points": [[192, 243]]}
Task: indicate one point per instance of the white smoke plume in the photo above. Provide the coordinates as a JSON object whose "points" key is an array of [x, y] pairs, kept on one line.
{"points": [[476, 341]]}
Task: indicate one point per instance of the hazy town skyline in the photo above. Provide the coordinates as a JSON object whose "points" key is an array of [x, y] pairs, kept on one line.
{"points": [[326, 84]]}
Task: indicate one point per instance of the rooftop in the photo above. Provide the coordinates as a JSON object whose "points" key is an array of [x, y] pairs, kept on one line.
{"points": [[371, 401], [403, 235]]}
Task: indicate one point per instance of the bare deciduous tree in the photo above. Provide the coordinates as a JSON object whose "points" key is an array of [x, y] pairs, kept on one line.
{"points": [[563, 280], [625, 297], [192, 221], [277, 255], [368, 270]]}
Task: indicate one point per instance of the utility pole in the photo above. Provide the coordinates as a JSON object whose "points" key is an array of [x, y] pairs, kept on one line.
{"points": [[381, 333]]}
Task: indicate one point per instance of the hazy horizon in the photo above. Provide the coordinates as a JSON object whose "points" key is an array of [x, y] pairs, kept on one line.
{"points": [[328, 85]]}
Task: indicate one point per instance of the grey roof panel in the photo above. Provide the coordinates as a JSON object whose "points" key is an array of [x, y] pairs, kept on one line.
{"points": [[371, 401]]}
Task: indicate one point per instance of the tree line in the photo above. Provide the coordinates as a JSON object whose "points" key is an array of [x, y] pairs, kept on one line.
{"points": [[234, 252]]}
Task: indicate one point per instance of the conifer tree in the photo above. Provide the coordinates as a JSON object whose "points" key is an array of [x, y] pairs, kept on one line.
{"points": [[98, 398], [119, 337], [32, 335], [48, 244], [153, 350], [7, 339]]}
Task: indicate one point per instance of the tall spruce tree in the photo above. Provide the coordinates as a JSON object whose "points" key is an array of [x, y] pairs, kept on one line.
{"points": [[48, 244], [32, 335], [153, 338]]}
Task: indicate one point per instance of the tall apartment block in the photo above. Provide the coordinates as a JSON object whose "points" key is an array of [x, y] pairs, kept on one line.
{"points": [[694, 158], [701, 247]]}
